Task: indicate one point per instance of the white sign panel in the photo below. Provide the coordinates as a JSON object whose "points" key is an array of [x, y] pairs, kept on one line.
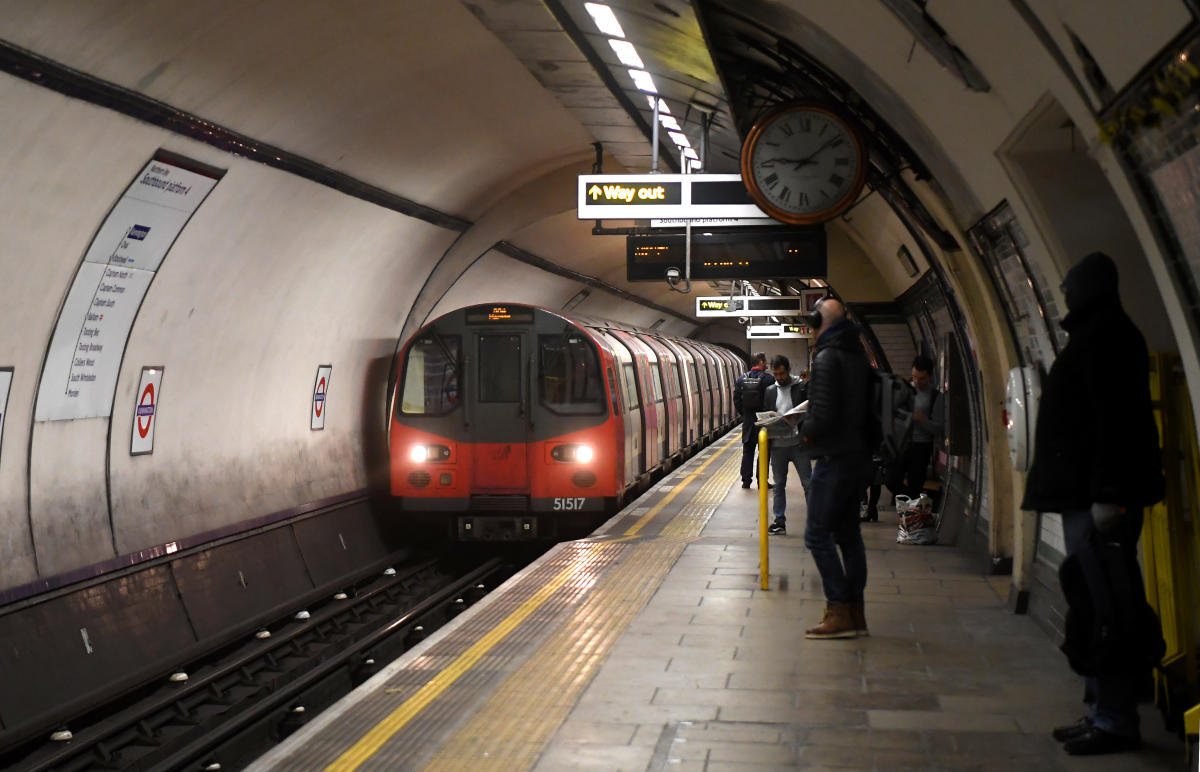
{"points": [[779, 331], [687, 196], [145, 409], [755, 305], [712, 222], [6, 374], [320, 395], [85, 353]]}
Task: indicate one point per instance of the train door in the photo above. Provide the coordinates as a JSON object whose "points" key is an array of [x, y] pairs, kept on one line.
{"points": [[630, 408], [691, 390], [499, 419], [664, 369], [649, 382], [708, 384]]}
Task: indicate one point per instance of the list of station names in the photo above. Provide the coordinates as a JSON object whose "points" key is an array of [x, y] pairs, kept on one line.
{"points": [[85, 354]]}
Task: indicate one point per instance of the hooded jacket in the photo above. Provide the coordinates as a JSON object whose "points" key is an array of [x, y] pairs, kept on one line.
{"points": [[838, 409], [1096, 440]]}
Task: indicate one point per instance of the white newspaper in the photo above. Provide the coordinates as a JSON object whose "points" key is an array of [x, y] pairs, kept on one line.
{"points": [[793, 416]]}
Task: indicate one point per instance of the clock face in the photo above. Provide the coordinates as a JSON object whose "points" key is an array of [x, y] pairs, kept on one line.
{"points": [[803, 164]]}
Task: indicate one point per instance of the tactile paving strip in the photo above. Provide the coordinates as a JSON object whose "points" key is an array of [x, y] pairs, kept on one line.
{"points": [[528, 649]]}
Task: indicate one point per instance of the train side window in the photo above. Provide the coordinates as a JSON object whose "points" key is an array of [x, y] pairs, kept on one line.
{"points": [[695, 376], [678, 376], [569, 380], [631, 392], [616, 394], [431, 376], [499, 368], [656, 375]]}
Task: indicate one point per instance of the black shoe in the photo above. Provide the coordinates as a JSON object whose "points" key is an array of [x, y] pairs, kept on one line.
{"points": [[745, 484], [778, 529], [770, 485], [1096, 741], [873, 515], [1072, 731]]}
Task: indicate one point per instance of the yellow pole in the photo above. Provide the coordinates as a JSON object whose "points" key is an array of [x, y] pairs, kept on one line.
{"points": [[762, 507]]}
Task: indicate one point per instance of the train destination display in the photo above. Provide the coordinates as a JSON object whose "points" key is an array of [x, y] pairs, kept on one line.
{"points": [[88, 344], [754, 254]]}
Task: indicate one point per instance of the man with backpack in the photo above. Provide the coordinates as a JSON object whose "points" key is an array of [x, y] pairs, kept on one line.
{"points": [[907, 474], [840, 433], [748, 393]]}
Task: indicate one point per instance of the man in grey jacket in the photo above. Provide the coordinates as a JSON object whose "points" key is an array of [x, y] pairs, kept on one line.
{"points": [[786, 392]]}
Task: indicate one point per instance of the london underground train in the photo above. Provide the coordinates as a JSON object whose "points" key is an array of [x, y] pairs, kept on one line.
{"points": [[510, 421]]}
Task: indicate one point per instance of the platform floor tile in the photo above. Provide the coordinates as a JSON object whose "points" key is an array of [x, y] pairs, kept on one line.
{"points": [[949, 679]]}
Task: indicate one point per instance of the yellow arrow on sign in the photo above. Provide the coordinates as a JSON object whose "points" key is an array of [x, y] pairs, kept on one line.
{"points": [[594, 191]]}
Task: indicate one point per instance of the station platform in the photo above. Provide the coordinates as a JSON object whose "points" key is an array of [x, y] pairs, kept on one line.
{"points": [[650, 646]]}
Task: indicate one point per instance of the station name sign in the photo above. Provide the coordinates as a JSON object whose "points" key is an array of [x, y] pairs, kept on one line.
{"points": [[657, 196]]}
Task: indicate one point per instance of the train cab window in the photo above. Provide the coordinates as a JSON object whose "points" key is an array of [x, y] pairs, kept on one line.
{"points": [[431, 376], [499, 368], [569, 380]]}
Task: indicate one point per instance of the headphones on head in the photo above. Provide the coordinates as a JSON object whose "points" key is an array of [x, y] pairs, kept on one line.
{"points": [[813, 317]]}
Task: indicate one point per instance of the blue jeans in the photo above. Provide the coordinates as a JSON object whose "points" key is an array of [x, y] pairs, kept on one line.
{"points": [[1111, 699], [837, 486], [780, 457]]}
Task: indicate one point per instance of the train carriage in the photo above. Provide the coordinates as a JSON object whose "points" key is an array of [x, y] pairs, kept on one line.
{"points": [[511, 421]]}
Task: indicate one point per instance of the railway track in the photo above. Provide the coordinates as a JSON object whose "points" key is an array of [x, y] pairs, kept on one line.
{"points": [[221, 712]]}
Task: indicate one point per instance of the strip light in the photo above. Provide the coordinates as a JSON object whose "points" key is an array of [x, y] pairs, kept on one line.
{"points": [[607, 23]]}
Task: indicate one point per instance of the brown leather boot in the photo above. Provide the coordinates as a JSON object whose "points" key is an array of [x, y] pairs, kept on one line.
{"points": [[859, 617], [836, 624]]}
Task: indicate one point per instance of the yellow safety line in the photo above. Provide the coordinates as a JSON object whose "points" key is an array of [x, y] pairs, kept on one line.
{"points": [[646, 518], [373, 740]]}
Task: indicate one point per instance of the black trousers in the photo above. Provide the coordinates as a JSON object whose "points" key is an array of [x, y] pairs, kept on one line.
{"points": [[907, 475], [749, 446]]}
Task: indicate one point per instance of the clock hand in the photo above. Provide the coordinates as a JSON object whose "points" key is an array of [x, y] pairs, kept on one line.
{"points": [[808, 159]]}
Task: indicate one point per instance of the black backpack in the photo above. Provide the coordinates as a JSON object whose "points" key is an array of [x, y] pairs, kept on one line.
{"points": [[754, 390], [890, 413]]}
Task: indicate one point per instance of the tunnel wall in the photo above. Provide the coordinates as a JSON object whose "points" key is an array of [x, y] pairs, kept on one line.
{"points": [[273, 276]]}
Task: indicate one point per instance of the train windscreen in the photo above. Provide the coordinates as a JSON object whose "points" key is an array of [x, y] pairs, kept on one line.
{"points": [[431, 378], [569, 379]]}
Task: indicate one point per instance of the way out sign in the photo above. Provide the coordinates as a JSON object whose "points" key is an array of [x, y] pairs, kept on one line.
{"points": [[145, 410], [320, 395]]}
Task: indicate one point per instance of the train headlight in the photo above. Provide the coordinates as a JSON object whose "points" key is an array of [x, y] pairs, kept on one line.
{"points": [[574, 453], [423, 453]]}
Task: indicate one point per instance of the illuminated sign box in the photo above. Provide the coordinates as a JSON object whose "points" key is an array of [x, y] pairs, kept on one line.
{"points": [[779, 331], [499, 314], [756, 254]]}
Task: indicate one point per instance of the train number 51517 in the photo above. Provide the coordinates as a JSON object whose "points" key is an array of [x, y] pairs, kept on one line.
{"points": [[568, 504]]}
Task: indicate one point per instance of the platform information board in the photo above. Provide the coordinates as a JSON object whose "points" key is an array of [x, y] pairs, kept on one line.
{"points": [[656, 196], [88, 344], [779, 331]]}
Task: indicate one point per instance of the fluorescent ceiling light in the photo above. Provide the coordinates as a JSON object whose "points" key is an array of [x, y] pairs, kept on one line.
{"points": [[643, 81], [679, 138], [662, 105], [669, 121], [626, 53], [605, 19]]}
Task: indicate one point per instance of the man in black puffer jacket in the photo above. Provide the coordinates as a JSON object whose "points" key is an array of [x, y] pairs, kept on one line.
{"points": [[836, 432], [1097, 461]]}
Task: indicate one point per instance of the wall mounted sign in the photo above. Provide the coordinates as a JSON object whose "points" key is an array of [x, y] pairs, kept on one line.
{"points": [[641, 196], [6, 374], [84, 358], [320, 397], [145, 410]]}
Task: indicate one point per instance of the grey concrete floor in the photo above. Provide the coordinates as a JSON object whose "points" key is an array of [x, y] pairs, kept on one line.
{"points": [[715, 674]]}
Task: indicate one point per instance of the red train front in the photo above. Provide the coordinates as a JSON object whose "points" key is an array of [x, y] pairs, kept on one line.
{"points": [[510, 421]]}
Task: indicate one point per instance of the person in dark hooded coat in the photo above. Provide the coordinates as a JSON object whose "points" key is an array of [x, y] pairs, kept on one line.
{"points": [[1096, 461]]}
